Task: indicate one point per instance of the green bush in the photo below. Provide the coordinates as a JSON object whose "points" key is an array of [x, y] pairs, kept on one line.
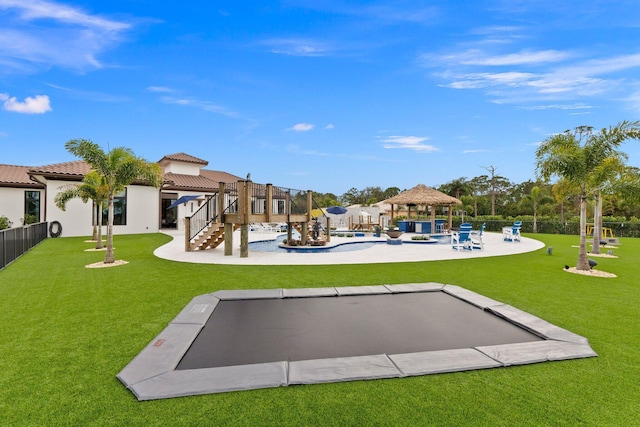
{"points": [[29, 219], [4, 222]]}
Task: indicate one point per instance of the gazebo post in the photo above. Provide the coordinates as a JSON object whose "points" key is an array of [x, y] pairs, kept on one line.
{"points": [[450, 217], [433, 219]]}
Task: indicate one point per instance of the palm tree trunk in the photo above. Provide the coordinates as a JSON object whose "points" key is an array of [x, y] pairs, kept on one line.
{"points": [[94, 235], [99, 244], [109, 257], [583, 261], [597, 225]]}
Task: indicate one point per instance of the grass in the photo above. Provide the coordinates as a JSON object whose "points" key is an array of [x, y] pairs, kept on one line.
{"points": [[66, 331]]}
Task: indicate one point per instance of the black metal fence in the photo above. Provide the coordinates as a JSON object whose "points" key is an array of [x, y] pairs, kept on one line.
{"points": [[16, 241]]}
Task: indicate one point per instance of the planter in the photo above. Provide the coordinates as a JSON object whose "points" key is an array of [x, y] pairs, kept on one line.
{"points": [[394, 234]]}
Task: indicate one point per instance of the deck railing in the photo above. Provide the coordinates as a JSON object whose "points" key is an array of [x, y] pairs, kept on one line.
{"points": [[16, 241]]}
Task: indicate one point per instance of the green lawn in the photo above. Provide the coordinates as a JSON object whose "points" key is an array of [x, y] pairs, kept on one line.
{"points": [[66, 331]]}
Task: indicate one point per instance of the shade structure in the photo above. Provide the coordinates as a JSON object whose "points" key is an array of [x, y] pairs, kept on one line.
{"points": [[336, 210], [423, 195], [183, 199]]}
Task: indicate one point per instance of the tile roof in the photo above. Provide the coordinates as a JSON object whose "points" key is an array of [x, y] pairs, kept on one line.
{"points": [[182, 157], [219, 176], [77, 169], [17, 176]]}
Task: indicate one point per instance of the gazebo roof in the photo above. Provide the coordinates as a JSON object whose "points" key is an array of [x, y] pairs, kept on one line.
{"points": [[423, 195]]}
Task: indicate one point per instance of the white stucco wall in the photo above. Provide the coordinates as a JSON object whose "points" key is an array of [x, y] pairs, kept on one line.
{"points": [[143, 212], [188, 209], [183, 168], [76, 219], [12, 204]]}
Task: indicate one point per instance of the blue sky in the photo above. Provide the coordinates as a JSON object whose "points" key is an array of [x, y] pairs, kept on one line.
{"points": [[322, 95]]}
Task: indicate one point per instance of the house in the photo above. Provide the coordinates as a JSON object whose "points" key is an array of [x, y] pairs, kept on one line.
{"points": [[139, 209], [19, 195]]}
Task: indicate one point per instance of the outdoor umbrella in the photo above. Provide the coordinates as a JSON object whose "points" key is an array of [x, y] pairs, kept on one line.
{"points": [[183, 199], [336, 210]]}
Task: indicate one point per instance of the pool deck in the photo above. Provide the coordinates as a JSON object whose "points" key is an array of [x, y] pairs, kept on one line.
{"points": [[494, 245]]}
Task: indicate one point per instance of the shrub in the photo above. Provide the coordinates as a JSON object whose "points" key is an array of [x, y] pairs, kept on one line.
{"points": [[29, 219], [4, 222]]}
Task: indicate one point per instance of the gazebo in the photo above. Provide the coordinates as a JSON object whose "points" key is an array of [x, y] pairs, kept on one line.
{"points": [[421, 195]]}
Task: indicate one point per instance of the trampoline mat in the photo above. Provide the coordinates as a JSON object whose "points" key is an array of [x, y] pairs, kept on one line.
{"points": [[243, 332], [250, 339]]}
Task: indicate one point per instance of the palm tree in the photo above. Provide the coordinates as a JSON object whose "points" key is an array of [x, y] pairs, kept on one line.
{"points": [[603, 182], [536, 199], [90, 189], [579, 157], [117, 168], [562, 191]]}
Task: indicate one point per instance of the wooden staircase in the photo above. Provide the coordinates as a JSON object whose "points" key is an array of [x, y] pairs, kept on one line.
{"points": [[211, 237]]}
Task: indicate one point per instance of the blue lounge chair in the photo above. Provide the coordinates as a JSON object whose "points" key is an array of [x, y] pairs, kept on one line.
{"points": [[461, 239], [512, 233]]}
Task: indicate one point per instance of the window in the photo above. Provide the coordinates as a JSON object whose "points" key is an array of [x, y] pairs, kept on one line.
{"points": [[31, 207], [119, 210]]}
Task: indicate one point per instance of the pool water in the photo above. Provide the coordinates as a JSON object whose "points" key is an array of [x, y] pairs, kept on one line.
{"points": [[274, 245]]}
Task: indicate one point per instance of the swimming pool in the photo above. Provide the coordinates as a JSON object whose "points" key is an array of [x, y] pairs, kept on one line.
{"points": [[274, 245]]}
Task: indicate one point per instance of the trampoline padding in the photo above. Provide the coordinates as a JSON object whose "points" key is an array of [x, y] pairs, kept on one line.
{"points": [[342, 369], [161, 355], [415, 287], [248, 294], [471, 297], [198, 310], [362, 290], [436, 362], [309, 292], [213, 380], [536, 324], [536, 352]]}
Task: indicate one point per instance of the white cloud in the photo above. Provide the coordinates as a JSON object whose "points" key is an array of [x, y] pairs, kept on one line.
{"points": [[301, 127], [414, 143], [329, 126], [161, 89], [297, 47], [203, 105], [41, 9], [38, 34], [31, 105], [482, 58]]}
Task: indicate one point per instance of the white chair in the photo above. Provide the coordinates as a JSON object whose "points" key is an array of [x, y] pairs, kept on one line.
{"points": [[475, 236], [512, 233]]}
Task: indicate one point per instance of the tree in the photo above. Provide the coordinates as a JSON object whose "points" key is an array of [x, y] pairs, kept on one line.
{"points": [[456, 188], [603, 182], [578, 157], [117, 168], [497, 185], [535, 199], [92, 188], [562, 191]]}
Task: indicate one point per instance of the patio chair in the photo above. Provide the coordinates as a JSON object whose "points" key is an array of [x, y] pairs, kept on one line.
{"points": [[461, 239], [476, 238], [512, 233]]}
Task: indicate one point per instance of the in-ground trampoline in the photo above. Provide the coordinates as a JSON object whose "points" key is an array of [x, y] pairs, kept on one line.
{"points": [[242, 340]]}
